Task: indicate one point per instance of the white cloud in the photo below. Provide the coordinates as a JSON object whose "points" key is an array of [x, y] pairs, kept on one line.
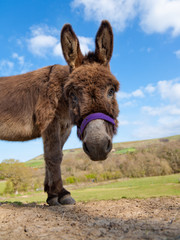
{"points": [[43, 29], [137, 122], [19, 58], [150, 89], [123, 95], [164, 110], [177, 53], [86, 44], [119, 13], [164, 127], [57, 50], [136, 94], [41, 45], [170, 90], [156, 16], [44, 41], [6, 67], [169, 121], [22, 66], [159, 16], [160, 120], [17, 66], [128, 103], [123, 122]]}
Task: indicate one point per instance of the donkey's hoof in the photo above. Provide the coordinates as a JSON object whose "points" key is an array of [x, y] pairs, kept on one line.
{"points": [[53, 201], [67, 200]]}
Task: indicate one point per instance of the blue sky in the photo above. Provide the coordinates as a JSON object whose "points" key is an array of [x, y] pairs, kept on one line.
{"points": [[146, 58]]}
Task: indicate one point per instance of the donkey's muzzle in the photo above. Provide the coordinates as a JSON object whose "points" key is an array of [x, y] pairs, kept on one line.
{"points": [[98, 150], [97, 142]]}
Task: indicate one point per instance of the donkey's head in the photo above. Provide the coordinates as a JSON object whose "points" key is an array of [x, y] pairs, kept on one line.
{"points": [[90, 90]]}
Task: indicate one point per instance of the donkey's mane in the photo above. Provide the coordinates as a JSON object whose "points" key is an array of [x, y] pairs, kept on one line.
{"points": [[91, 57]]}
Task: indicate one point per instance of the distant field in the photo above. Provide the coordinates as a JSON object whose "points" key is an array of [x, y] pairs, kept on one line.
{"points": [[132, 188], [35, 163], [144, 142], [129, 188], [125, 150], [119, 148]]}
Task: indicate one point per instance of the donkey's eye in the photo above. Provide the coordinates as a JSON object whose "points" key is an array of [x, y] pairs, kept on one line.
{"points": [[111, 92]]}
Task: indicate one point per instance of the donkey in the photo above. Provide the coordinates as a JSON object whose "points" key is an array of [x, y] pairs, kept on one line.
{"points": [[49, 101]]}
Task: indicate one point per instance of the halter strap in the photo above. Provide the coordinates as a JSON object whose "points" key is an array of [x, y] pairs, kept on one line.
{"points": [[91, 117]]}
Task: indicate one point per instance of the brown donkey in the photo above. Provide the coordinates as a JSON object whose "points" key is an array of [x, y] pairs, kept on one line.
{"points": [[49, 101]]}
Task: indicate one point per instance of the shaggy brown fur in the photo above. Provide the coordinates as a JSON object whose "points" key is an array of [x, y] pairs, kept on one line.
{"points": [[49, 101]]}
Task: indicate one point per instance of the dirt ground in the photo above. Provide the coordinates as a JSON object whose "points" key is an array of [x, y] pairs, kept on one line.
{"points": [[155, 218]]}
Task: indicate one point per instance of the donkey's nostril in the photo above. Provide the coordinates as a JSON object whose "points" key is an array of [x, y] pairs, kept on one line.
{"points": [[108, 146], [85, 148]]}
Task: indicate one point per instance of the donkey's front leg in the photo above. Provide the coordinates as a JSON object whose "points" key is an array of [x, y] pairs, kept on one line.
{"points": [[53, 156]]}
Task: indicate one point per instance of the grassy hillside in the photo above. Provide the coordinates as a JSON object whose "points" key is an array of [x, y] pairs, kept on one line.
{"points": [[118, 148], [129, 159], [155, 157], [37, 162]]}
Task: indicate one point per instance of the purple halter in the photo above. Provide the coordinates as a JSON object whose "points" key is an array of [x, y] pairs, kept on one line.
{"points": [[91, 117]]}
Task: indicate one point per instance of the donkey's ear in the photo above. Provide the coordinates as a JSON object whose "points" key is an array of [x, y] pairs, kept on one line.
{"points": [[104, 42], [70, 47]]}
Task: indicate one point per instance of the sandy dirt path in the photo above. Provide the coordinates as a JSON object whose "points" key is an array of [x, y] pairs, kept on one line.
{"points": [[155, 218]]}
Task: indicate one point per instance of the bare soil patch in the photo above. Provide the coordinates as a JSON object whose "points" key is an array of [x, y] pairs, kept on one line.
{"points": [[155, 218]]}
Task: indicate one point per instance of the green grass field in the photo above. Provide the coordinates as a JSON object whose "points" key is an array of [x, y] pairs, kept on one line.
{"points": [[132, 188], [35, 163], [125, 150], [129, 188]]}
